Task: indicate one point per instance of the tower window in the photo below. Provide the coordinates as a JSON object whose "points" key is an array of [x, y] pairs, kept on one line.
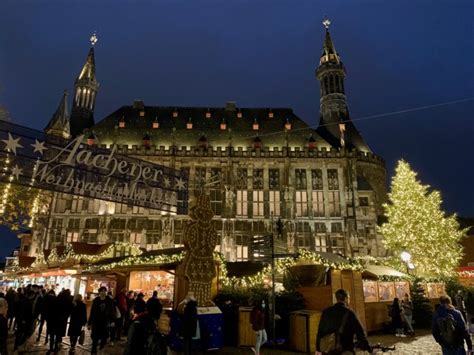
{"points": [[239, 114], [270, 114], [208, 114], [142, 113], [326, 85], [338, 89], [122, 123], [175, 114]]}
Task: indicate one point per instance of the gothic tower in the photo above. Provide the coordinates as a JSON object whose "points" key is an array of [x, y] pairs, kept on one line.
{"points": [[86, 86], [333, 105], [59, 123]]}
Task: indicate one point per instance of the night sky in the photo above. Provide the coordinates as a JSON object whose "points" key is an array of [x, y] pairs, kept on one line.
{"points": [[398, 55]]}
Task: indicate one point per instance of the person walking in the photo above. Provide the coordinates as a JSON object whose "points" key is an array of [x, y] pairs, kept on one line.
{"points": [[341, 323], [77, 322], [41, 309], [130, 307], [449, 328], [153, 305], [189, 321], [3, 326], [11, 297], [407, 311], [257, 319], [140, 305], [48, 311], [24, 319], [121, 304], [460, 305], [60, 312], [143, 336], [102, 314], [397, 323]]}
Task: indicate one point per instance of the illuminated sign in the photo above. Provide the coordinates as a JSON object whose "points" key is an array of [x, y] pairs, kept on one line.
{"points": [[32, 158]]}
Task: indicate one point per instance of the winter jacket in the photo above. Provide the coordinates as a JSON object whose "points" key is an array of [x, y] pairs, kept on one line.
{"points": [[189, 320], [460, 332], [257, 319], [102, 314], [331, 320], [59, 314], [78, 319]]}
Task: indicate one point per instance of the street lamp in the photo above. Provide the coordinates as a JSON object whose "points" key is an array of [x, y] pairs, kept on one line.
{"points": [[406, 258]]}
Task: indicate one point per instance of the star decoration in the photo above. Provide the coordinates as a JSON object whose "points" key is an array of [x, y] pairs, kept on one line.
{"points": [[38, 146], [180, 184], [16, 171], [166, 182], [11, 144]]}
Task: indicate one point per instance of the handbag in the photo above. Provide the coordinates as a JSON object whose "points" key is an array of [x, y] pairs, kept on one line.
{"points": [[82, 337], [330, 342]]}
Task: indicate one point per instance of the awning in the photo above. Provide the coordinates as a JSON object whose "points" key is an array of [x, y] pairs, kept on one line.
{"points": [[377, 271]]}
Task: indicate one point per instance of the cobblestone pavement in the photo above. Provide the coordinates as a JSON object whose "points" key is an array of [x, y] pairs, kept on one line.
{"points": [[422, 344]]}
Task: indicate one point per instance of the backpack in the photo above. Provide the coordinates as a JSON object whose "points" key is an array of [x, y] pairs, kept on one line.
{"points": [[447, 329], [331, 343]]}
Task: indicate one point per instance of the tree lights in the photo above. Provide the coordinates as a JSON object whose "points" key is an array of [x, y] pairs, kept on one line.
{"points": [[417, 229]]}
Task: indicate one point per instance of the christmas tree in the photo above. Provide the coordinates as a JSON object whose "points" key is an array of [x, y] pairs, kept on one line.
{"points": [[416, 224], [422, 309]]}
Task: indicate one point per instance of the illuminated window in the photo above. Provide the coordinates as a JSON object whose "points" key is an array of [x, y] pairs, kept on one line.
{"points": [[242, 203], [241, 247], [301, 193], [91, 140], [334, 202], [270, 114], [216, 191], [275, 203], [142, 113], [303, 235], [287, 125], [72, 237], [255, 125], [257, 203], [223, 125], [156, 124], [239, 114], [122, 123], [136, 238], [317, 195], [208, 114], [175, 114], [189, 125]]}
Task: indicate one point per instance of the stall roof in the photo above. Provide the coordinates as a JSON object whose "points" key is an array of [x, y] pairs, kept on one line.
{"points": [[169, 251], [89, 249], [244, 268], [376, 271], [25, 261]]}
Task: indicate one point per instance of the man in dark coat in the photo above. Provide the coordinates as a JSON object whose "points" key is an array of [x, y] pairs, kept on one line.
{"points": [[153, 304], [189, 319], [446, 316], [331, 321], [102, 314], [77, 322], [47, 312], [143, 336], [24, 319], [140, 305], [59, 315]]}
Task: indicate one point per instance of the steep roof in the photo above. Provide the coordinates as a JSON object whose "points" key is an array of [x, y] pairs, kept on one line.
{"points": [[59, 123], [88, 70], [239, 126]]}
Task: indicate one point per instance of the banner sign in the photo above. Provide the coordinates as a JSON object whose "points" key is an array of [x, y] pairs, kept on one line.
{"points": [[32, 158]]}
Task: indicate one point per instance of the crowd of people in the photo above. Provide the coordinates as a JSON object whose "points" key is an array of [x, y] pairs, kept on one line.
{"points": [[59, 314]]}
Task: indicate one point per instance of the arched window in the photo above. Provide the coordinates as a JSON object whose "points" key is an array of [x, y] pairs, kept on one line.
{"points": [[342, 86], [336, 78], [326, 85], [331, 84]]}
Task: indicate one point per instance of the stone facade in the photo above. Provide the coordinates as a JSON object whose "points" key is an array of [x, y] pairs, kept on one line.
{"points": [[257, 166]]}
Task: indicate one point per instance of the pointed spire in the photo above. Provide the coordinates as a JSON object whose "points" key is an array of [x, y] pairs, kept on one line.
{"points": [[329, 51], [59, 123], [88, 70]]}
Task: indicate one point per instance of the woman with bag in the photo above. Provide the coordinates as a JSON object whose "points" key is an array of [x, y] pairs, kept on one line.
{"points": [[257, 319], [77, 322], [407, 307]]}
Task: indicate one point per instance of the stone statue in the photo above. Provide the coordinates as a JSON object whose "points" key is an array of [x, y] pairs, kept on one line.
{"points": [[200, 240], [229, 195]]}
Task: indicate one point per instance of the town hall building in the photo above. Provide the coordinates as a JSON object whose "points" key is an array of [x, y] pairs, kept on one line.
{"points": [[258, 165]]}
